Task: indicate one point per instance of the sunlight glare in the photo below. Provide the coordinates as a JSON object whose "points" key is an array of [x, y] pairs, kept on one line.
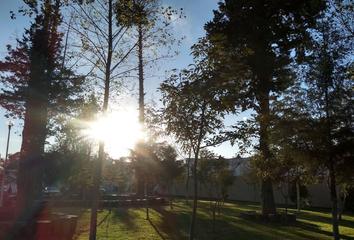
{"points": [[120, 131]]}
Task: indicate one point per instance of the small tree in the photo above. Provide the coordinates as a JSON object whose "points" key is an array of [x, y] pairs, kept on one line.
{"points": [[249, 175], [191, 115], [169, 169], [214, 174]]}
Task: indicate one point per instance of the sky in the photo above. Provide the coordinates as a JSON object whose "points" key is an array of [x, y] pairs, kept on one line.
{"points": [[197, 12]]}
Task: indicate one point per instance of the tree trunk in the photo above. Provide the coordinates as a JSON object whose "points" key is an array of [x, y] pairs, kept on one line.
{"points": [[286, 210], [340, 210], [334, 203], [140, 187], [267, 197], [34, 133], [298, 196], [340, 202], [200, 190], [170, 195], [98, 169], [213, 222], [96, 192], [147, 199], [187, 181], [140, 183], [218, 208], [254, 193], [195, 196]]}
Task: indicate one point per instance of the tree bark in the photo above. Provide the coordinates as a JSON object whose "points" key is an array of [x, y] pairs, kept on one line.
{"points": [[195, 197], [298, 196], [340, 202], [140, 182], [98, 169], [334, 203], [34, 133], [96, 192], [187, 181], [267, 197], [170, 195], [213, 222], [147, 199]]}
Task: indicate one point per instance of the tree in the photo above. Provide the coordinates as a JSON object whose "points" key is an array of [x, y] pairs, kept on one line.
{"points": [[101, 42], [151, 37], [115, 176], [268, 32], [37, 86], [214, 174], [321, 116], [191, 115], [295, 163], [169, 169], [72, 154], [156, 131], [144, 165], [283, 174], [104, 27], [249, 175]]}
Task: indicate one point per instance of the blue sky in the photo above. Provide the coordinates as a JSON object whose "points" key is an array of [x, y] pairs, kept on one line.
{"points": [[197, 12]]}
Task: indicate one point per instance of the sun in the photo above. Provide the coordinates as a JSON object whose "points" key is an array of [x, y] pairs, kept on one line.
{"points": [[120, 131]]}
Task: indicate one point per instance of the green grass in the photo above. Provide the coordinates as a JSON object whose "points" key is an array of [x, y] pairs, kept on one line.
{"points": [[131, 223]]}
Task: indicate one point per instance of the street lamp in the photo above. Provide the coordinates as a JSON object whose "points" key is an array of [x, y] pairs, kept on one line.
{"points": [[9, 123]]}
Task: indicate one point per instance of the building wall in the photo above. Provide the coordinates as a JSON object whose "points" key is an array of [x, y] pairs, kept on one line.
{"points": [[243, 191]]}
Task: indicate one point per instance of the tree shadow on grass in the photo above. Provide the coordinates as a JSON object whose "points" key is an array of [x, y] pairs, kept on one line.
{"points": [[324, 219], [125, 216], [157, 231], [315, 228], [231, 223], [166, 225], [78, 233]]}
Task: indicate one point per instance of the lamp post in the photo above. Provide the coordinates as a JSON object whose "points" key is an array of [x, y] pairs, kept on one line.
{"points": [[9, 123]]}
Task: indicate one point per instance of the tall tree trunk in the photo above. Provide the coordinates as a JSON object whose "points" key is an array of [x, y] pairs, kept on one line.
{"points": [[331, 167], [213, 221], [169, 194], [42, 55], [267, 197], [200, 190], [147, 198], [32, 150], [98, 168], [187, 181], [298, 196], [286, 209], [334, 203], [195, 197], [340, 202], [96, 193], [140, 183], [34, 133], [196, 156], [254, 192]]}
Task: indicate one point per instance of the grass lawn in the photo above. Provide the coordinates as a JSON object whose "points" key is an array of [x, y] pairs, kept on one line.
{"points": [[131, 223]]}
